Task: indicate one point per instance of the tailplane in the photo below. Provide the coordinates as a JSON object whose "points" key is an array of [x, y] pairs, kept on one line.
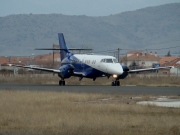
{"points": [[63, 48]]}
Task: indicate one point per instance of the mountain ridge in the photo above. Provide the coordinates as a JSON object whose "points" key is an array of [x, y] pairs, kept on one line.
{"points": [[147, 28]]}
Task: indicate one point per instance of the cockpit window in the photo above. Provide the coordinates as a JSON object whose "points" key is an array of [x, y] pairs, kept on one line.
{"points": [[103, 60], [109, 61], [115, 60]]}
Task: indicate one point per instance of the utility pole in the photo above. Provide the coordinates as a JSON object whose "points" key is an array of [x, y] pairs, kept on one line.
{"points": [[55, 51], [53, 59], [118, 54]]}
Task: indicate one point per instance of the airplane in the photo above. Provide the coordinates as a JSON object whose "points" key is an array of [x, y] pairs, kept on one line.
{"points": [[88, 66]]}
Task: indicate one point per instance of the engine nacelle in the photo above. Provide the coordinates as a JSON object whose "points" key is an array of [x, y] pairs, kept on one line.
{"points": [[125, 68], [123, 75], [66, 71]]}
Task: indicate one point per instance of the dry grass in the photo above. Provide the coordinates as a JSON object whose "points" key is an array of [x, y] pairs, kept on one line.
{"points": [[25, 112], [152, 80]]}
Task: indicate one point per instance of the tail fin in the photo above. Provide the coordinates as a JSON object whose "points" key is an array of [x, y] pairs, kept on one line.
{"points": [[62, 43]]}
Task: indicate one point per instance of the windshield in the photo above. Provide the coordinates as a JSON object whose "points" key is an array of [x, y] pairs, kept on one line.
{"points": [[115, 61], [107, 60]]}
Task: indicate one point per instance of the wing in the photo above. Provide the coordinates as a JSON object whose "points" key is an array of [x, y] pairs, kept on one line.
{"points": [[149, 69], [41, 69], [78, 74]]}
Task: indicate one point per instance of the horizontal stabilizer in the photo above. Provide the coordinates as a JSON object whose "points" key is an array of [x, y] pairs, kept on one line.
{"points": [[59, 49]]}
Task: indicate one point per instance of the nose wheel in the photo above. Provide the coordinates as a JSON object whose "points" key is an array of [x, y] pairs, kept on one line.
{"points": [[116, 83], [61, 83]]}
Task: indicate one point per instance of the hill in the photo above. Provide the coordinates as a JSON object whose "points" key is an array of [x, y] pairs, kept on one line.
{"points": [[152, 27]]}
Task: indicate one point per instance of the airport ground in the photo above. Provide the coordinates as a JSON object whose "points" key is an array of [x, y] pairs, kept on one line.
{"points": [[134, 79], [36, 110]]}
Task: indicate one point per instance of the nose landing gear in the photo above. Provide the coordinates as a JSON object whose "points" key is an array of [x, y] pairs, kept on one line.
{"points": [[116, 83]]}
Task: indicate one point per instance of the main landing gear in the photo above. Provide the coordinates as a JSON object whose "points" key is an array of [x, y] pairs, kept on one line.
{"points": [[62, 82], [116, 83]]}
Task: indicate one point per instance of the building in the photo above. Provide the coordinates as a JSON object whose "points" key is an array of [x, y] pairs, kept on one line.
{"points": [[171, 61], [45, 60], [166, 59], [140, 59]]}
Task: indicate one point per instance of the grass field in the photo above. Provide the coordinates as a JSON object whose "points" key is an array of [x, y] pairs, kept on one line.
{"points": [[59, 113]]}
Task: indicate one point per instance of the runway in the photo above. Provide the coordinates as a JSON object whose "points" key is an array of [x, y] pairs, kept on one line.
{"points": [[134, 90]]}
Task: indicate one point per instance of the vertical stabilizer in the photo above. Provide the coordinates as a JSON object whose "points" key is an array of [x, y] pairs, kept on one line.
{"points": [[62, 43]]}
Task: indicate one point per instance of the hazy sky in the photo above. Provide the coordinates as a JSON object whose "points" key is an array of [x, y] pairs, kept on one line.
{"points": [[75, 7]]}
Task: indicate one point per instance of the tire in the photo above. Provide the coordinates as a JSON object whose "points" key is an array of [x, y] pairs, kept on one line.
{"points": [[60, 83], [63, 83]]}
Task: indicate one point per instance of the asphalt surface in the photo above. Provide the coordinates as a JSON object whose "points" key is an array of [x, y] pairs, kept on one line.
{"points": [[134, 90]]}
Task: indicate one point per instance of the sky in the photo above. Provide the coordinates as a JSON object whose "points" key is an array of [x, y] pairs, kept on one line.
{"points": [[76, 7]]}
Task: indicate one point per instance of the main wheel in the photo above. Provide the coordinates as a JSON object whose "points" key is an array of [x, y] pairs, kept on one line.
{"points": [[63, 82], [60, 82]]}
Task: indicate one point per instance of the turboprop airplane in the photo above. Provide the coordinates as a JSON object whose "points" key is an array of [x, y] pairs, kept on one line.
{"points": [[88, 66]]}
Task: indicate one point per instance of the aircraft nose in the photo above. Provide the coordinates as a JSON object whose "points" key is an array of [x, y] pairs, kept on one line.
{"points": [[117, 69]]}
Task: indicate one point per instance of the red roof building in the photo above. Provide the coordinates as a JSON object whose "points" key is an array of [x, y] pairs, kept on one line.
{"points": [[166, 59], [141, 59]]}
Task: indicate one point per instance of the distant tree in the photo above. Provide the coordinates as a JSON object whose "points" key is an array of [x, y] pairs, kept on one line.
{"points": [[133, 65], [168, 54]]}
